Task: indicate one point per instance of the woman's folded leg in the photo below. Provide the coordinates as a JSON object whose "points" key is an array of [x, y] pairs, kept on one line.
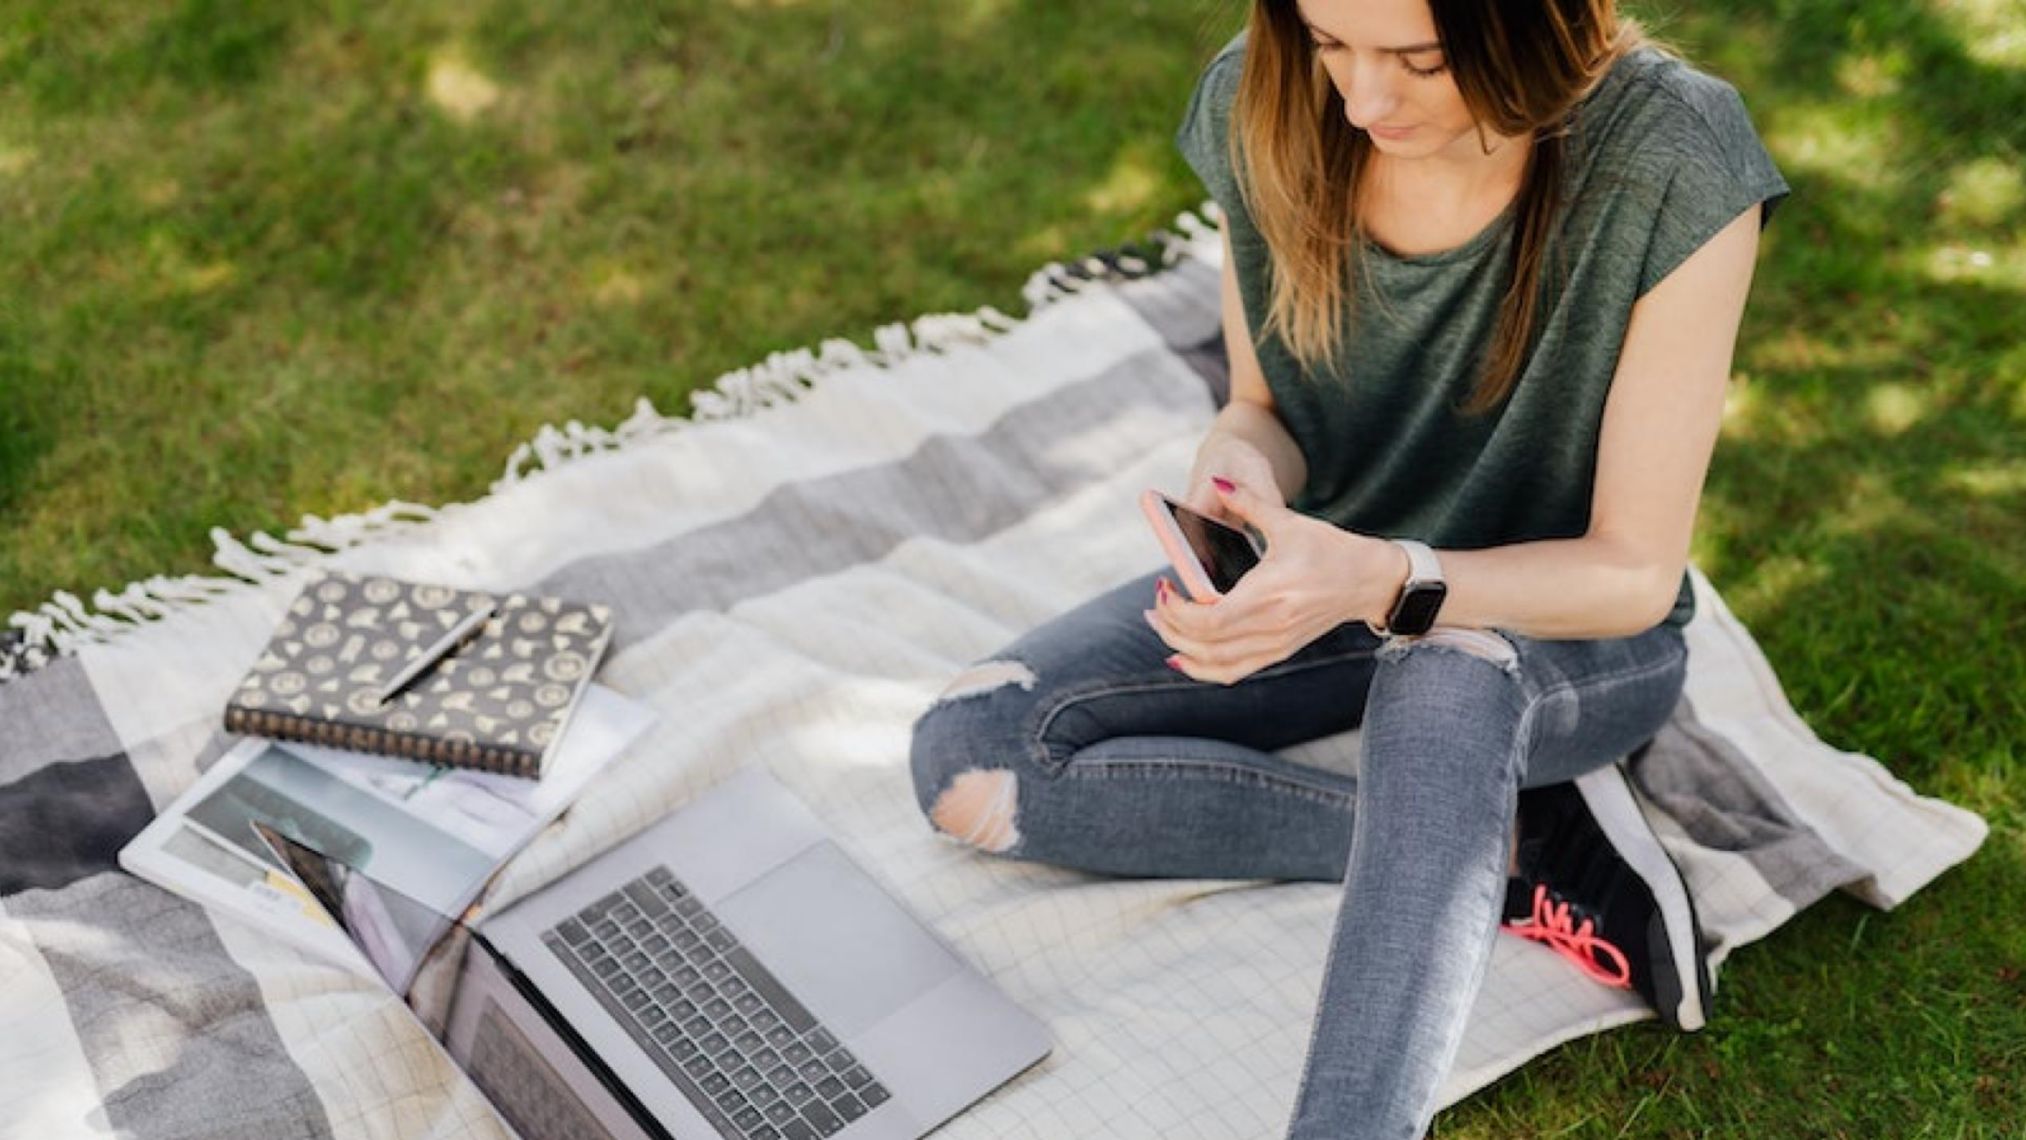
{"points": [[1078, 745], [1454, 726]]}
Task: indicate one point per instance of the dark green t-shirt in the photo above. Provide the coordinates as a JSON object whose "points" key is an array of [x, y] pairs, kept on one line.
{"points": [[1662, 157]]}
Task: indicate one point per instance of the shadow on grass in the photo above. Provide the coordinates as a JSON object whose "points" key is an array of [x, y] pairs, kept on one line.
{"points": [[1865, 461], [1862, 516], [274, 278]]}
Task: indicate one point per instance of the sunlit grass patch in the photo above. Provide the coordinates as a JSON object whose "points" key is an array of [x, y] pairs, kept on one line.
{"points": [[1993, 31], [456, 87], [1989, 481], [1872, 75], [2001, 264], [1799, 349], [1132, 183], [1856, 146], [1774, 582], [1984, 192], [1743, 407], [1892, 408], [612, 285]]}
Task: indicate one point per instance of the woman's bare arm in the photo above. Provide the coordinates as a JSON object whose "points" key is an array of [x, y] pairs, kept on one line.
{"points": [[1249, 422], [1660, 428]]}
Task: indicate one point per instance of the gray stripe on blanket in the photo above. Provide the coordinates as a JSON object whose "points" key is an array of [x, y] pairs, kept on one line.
{"points": [[1718, 796], [959, 489], [68, 821], [176, 1032], [69, 799], [1180, 304], [1183, 305], [52, 714]]}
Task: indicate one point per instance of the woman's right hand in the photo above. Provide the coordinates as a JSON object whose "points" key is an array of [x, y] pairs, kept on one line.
{"points": [[1227, 456]]}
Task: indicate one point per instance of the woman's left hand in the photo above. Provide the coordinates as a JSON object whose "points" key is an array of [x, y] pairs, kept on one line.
{"points": [[1314, 577]]}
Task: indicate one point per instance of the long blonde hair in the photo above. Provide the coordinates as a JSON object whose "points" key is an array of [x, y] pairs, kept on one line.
{"points": [[1521, 67]]}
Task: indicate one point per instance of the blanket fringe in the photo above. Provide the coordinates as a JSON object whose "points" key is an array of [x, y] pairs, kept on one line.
{"points": [[60, 626]]}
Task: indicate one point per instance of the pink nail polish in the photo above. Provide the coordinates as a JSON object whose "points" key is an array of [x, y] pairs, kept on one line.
{"points": [[1223, 484], [1175, 663]]}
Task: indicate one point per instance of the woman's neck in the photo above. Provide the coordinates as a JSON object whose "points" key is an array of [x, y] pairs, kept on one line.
{"points": [[1440, 201], [1473, 166]]}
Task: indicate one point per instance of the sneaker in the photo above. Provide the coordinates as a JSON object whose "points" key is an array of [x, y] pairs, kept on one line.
{"points": [[1594, 885]]}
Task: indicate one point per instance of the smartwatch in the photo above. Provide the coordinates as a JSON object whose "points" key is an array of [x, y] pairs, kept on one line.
{"points": [[1421, 594]]}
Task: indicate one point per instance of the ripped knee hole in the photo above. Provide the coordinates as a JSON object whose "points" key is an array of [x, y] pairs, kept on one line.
{"points": [[1482, 643], [985, 677], [978, 809]]}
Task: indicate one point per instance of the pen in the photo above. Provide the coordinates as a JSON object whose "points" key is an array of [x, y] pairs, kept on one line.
{"points": [[443, 647]]}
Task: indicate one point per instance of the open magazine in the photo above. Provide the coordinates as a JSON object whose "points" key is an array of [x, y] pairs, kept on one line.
{"points": [[434, 834], [487, 1020]]}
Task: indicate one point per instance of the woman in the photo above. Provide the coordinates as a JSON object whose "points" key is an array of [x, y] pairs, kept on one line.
{"points": [[1485, 262]]}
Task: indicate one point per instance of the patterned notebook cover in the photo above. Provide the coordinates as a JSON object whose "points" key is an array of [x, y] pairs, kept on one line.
{"points": [[498, 704]]}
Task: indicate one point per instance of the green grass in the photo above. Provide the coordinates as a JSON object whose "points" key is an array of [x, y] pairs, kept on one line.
{"points": [[254, 269], [261, 260]]}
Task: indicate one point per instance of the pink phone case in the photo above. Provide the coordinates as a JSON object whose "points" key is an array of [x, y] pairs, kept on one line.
{"points": [[1188, 567]]}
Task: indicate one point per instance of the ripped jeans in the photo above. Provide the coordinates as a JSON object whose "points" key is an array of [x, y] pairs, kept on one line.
{"points": [[1079, 746]]}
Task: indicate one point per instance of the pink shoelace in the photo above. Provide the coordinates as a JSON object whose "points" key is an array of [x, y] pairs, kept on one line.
{"points": [[1551, 924]]}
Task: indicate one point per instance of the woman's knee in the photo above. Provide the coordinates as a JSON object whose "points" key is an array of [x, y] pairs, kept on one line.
{"points": [[1444, 705], [965, 749], [979, 807], [1487, 645], [983, 734]]}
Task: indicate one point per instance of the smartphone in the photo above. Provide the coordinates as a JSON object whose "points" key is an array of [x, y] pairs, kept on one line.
{"points": [[1209, 556]]}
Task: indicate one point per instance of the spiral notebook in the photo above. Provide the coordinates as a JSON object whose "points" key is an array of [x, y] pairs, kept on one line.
{"points": [[497, 703]]}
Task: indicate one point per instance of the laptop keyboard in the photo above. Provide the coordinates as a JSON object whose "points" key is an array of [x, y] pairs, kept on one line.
{"points": [[732, 1038]]}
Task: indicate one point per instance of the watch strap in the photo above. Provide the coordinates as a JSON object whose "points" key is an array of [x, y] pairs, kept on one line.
{"points": [[1424, 577], [1422, 565]]}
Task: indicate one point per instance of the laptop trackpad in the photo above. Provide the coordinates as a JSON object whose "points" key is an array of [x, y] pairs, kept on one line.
{"points": [[836, 939]]}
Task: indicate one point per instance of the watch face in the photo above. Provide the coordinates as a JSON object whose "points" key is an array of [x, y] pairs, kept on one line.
{"points": [[1416, 610]]}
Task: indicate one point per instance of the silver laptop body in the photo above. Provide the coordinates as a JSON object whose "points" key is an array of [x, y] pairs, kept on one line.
{"points": [[833, 993]]}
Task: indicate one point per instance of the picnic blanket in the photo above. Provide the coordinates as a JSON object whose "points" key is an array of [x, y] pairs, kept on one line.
{"points": [[797, 569]]}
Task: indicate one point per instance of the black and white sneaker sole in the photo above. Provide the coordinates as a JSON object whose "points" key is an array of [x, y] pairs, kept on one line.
{"points": [[1681, 981]]}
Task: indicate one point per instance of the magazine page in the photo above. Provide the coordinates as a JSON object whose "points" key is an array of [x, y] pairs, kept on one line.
{"points": [[435, 834], [514, 1052]]}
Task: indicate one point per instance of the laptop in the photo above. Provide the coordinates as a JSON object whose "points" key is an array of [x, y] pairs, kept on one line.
{"points": [[728, 972]]}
